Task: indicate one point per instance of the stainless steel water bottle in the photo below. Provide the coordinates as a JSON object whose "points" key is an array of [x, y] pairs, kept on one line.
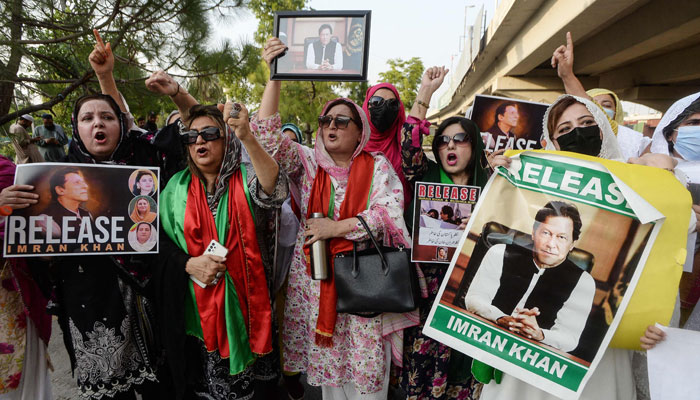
{"points": [[319, 256]]}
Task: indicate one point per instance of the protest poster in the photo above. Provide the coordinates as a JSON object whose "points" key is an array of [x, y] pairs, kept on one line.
{"points": [[85, 209], [507, 123], [440, 216], [556, 244]]}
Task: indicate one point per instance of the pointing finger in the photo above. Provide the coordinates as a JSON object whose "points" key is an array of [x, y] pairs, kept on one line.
{"points": [[98, 38], [569, 42]]}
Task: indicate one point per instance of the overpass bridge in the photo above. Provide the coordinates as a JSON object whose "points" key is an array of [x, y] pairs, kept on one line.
{"points": [[647, 51]]}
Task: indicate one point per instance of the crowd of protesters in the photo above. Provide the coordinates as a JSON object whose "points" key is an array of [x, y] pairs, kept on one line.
{"points": [[138, 324]]}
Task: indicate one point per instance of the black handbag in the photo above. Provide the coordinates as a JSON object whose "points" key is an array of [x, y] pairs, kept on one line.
{"points": [[376, 280]]}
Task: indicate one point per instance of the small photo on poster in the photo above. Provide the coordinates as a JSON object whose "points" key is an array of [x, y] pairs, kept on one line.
{"points": [[508, 123], [143, 182], [143, 236], [441, 214]]}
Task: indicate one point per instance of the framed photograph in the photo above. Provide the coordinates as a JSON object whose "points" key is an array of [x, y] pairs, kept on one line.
{"points": [[323, 45]]}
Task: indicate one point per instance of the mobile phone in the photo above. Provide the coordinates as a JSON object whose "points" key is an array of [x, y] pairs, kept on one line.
{"points": [[216, 249]]}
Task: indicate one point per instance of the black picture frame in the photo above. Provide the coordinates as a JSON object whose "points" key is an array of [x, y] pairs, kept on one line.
{"points": [[300, 30]]}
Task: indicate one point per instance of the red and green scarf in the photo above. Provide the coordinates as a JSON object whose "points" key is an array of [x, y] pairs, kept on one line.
{"points": [[322, 199], [234, 316]]}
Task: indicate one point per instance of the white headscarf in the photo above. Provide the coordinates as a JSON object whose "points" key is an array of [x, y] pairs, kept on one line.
{"points": [[659, 144], [609, 150]]}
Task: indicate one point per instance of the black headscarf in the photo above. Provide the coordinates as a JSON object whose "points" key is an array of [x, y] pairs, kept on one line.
{"points": [[134, 147], [477, 173]]}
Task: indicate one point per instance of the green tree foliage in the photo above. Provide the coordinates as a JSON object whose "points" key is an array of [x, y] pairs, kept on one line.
{"points": [[406, 76], [264, 11], [300, 101], [44, 46], [356, 91]]}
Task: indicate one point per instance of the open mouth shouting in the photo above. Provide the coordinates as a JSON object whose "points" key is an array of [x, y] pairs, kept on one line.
{"points": [[100, 138], [451, 159], [202, 151]]}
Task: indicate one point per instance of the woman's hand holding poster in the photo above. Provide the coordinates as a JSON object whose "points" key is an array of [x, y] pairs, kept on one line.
{"points": [[85, 209], [553, 253]]}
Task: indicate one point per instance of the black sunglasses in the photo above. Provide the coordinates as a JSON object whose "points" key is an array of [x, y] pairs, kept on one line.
{"points": [[377, 101], [461, 138], [208, 134], [341, 121]]}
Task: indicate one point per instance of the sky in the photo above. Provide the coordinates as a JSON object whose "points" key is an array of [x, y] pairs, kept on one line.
{"points": [[400, 29]]}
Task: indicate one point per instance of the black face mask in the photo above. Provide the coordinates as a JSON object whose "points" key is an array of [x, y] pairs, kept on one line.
{"points": [[582, 140], [384, 115]]}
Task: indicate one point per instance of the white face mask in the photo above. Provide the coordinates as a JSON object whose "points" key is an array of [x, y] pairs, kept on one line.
{"points": [[610, 112], [688, 142]]}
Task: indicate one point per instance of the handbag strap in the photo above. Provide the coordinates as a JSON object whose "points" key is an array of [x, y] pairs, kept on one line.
{"points": [[355, 266]]}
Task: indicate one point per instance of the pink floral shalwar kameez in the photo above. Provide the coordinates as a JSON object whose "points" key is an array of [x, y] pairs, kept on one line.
{"points": [[358, 354]]}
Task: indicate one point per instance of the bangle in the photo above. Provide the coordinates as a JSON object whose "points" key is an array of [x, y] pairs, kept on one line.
{"points": [[422, 103], [177, 91]]}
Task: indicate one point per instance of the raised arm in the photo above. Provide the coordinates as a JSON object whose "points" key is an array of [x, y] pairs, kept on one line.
{"points": [[265, 166], [563, 61], [414, 162], [271, 96], [266, 123], [431, 81], [413, 159], [102, 62], [161, 83]]}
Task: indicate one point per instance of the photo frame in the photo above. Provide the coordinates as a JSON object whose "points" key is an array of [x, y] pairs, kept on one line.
{"points": [[323, 45]]}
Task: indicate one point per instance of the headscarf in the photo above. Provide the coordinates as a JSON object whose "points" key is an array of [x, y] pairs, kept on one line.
{"points": [[659, 144], [150, 216], [125, 145], [324, 159], [619, 114], [295, 129], [388, 142], [609, 150], [173, 112], [229, 165]]}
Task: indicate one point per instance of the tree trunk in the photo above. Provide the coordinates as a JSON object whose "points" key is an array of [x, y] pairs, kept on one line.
{"points": [[9, 72]]}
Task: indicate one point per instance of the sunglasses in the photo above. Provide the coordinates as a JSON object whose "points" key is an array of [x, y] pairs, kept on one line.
{"points": [[460, 139], [208, 134], [341, 121], [377, 101]]}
